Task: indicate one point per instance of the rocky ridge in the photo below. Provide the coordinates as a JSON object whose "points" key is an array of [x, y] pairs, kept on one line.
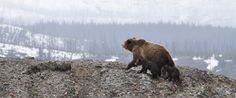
{"points": [[27, 78]]}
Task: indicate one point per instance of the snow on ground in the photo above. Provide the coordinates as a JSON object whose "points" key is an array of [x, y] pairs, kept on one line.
{"points": [[2, 55], [55, 54], [175, 59], [218, 70], [220, 55], [64, 55], [212, 62], [228, 61], [22, 51], [112, 59], [195, 58], [38, 39], [6, 48]]}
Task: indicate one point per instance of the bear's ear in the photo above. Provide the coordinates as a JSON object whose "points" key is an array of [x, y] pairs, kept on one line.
{"points": [[141, 42]]}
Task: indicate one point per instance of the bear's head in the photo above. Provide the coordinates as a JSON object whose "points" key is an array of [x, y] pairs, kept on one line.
{"points": [[131, 43]]}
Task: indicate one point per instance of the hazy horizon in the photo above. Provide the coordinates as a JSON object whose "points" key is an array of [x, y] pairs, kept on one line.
{"points": [[197, 12]]}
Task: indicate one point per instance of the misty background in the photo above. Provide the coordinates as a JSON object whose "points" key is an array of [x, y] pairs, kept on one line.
{"points": [[197, 33]]}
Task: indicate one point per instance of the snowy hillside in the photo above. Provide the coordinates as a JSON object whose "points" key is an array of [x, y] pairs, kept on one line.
{"points": [[8, 50], [17, 42], [17, 35]]}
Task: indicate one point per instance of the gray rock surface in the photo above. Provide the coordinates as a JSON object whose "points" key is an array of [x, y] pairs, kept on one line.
{"points": [[28, 78]]}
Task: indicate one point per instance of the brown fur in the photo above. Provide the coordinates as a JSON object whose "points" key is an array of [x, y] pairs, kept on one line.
{"points": [[148, 51]]}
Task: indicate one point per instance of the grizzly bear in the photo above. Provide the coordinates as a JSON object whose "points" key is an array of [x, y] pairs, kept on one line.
{"points": [[173, 73], [149, 51], [150, 66]]}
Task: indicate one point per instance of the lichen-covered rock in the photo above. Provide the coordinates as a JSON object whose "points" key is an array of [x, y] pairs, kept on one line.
{"points": [[29, 78]]}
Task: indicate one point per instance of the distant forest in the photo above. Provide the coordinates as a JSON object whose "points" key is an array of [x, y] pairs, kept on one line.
{"points": [[181, 40]]}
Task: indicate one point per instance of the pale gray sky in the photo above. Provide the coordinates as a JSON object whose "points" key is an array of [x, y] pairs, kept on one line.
{"points": [[202, 12]]}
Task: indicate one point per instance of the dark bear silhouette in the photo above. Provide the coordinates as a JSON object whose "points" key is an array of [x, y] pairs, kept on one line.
{"points": [[148, 65], [172, 72]]}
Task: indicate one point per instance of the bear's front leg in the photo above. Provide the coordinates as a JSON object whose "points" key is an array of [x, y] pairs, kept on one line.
{"points": [[130, 65], [143, 70]]}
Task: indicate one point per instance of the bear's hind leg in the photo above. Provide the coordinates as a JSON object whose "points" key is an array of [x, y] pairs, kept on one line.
{"points": [[154, 76]]}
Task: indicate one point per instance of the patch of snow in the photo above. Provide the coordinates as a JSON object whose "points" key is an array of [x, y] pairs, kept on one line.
{"points": [[46, 51], [32, 39], [41, 38], [59, 54], [64, 55], [212, 62], [220, 55], [32, 52], [218, 70], [19, 56], [28, 34], [2, 55], [22, 51], [112, 59], [60, 41], [76, 56], [228, 61], [175, 59], [86, 55], [195, 58]]}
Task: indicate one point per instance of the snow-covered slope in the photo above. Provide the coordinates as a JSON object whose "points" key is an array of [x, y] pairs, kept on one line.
{"points": [[17, 35], [9, 50], [18, 42]]}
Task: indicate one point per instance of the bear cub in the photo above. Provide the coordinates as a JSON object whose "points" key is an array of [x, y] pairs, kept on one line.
{"points": [[148, 65], [172, 72]]}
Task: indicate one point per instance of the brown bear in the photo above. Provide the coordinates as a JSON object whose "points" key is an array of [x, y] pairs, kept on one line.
{"points": [[149, 51], [173, 73], [150, 66]]}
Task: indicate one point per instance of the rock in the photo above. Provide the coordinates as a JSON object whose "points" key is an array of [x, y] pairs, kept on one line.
{"points": [[53, 66], [30, 58], [89, 78]]}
